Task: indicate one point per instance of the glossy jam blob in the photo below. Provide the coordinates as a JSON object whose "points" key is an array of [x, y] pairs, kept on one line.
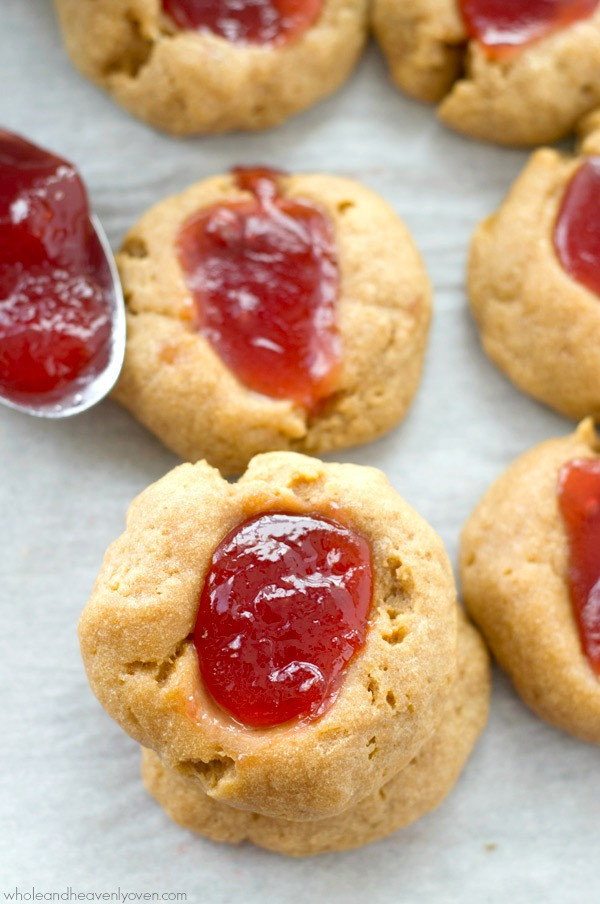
{"points": [[283, 610], [577, 232], [55, 285], [264, 276], [505, 25], [579, 500], [246, 21]]}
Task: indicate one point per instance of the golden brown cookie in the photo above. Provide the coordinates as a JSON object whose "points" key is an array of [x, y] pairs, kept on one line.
{"points": [[515, 579], [187, 82], [532, 96], [414, 791], [138, 649], [178, 386], [539, 324], [589, 133]]}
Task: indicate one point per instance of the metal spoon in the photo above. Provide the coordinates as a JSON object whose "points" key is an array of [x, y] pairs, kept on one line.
{"points": [[85, 393]]}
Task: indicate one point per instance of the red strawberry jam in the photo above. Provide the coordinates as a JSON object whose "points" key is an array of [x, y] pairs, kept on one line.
{"points": [[577, 233], [283, 610], [505, 25], [248, 22], [264, 276], [579, 500], [55, 286]]}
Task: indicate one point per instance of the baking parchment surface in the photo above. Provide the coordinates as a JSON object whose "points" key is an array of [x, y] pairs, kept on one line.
{"points": [[522, 824]]}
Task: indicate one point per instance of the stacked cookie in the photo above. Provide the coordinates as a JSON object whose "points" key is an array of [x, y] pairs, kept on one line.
{"points": [[379, 752]]}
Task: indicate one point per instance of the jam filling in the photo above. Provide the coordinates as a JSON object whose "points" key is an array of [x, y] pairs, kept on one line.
{"points": [[577, 232], [55, 285], [275, 22], [264, 277], [503, 26], [579, 501], [283, 610]]}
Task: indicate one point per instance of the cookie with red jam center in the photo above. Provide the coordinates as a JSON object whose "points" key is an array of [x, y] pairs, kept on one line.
{"points": [[530, 570], [211, 66], [269, 311], [481, 61], [418, 788], [534, 271], [287, 642], [55, 285]]}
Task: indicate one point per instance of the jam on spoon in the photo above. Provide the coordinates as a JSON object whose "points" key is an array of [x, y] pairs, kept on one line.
{"points": [[577, 232], [275, 22], [579, 501], [502, 26], [264, 276], [56, 286], [283, 610]]}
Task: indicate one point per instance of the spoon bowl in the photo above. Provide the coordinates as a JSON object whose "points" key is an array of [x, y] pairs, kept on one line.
{"points": [[87, 391]]}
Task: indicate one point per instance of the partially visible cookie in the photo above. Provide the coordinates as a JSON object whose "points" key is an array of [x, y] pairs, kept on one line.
{"points": [[144, 625], [374, 320], [414, 791], [531, 282], [212, 79], [522, 569], [423, 42], [589, 133], [531, 94]]}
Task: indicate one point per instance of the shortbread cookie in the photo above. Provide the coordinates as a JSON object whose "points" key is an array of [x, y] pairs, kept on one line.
{"points": [[184, 68], [305, 332], [147, 619], [534, 283], [530, 559], [533, 92], [416, 790]]}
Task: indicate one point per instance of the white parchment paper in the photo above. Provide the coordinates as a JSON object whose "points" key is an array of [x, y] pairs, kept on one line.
{"points": [[522, 823]]}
